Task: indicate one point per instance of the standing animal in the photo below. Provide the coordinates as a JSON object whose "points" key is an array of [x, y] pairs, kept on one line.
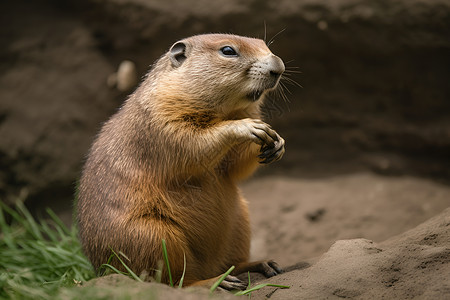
{"points": [[167, 164]]}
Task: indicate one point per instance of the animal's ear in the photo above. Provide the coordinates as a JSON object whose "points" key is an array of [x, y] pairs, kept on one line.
{"points": [[177, 54]]}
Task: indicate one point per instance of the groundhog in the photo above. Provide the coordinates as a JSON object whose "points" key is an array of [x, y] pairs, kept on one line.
{"points": [[167, 164]]}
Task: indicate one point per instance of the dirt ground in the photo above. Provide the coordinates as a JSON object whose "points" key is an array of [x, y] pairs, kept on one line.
{"points": [[341, 242], [367, 135], [298, 219], [358, 236], [413, 265]]}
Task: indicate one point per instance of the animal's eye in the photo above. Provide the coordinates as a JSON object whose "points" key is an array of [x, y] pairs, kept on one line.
{"points": [[228, 51]]}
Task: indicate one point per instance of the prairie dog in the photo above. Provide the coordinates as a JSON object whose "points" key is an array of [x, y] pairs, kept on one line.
{"points": [[166, 165]]}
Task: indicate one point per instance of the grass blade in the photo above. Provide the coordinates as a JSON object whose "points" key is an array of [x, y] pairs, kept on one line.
{"points": [[58, 221], [249, 284], [180, 285], [113, 268], [5, 234], [33, 226], [130, 272], [260, 286], [222, 278], [166, 260], [158, 271]]}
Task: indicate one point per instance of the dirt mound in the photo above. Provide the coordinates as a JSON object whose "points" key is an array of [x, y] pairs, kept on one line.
{"points": [[374, 82], [415, 264]]}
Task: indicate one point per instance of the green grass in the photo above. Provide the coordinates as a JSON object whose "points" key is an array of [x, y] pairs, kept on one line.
{"points": [[38, 258], [248, 291], [43, 260], [129, 272], [180, 284], [222, 278], [166, 260]]}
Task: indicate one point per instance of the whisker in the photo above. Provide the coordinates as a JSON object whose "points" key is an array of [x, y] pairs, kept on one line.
{"points": [[273, 39], [290, 80], [265, 32], [284, 96], [284, 87], [290, 67], [292, 71], [281, 92]]}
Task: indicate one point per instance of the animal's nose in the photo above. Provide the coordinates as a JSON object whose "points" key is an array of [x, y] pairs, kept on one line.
{"points": [[276, 66]]}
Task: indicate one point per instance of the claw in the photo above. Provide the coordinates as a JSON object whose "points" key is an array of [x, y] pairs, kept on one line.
{"points": [[232, 283], [271, 268], [275, 266], [271, 154]]}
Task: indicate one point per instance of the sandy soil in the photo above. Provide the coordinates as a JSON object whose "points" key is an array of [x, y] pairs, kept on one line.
{"points": [[296, 219], [353, 236], [413, 265]]}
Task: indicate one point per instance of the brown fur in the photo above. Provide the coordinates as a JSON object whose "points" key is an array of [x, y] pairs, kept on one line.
{"points": [[165, 166]]}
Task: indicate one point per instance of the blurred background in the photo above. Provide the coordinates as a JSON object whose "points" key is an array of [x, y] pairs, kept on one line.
{"points": [[375, 95]]}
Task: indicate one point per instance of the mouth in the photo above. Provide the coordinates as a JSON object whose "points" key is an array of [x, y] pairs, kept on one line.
{"points": [[268, 84]]}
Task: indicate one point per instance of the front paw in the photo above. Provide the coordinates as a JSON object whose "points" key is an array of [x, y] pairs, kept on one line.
{"points": [[272, 153], [254, 130], [270, 268]]}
